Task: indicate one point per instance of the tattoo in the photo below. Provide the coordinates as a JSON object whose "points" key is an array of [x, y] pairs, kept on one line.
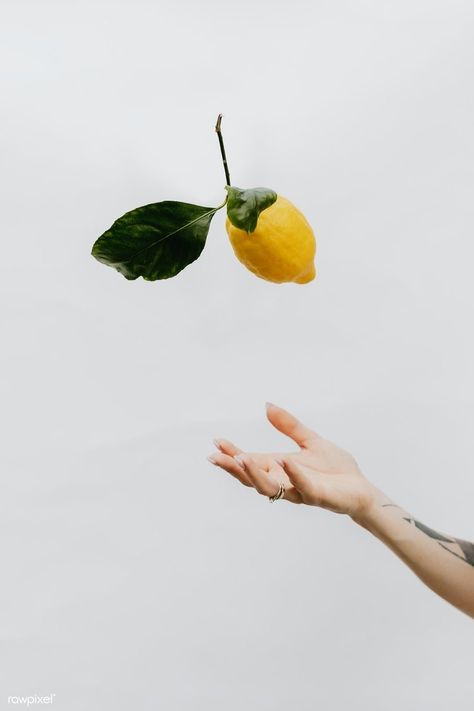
{"points": [[429, 531], [466, 547], [457, 554]]}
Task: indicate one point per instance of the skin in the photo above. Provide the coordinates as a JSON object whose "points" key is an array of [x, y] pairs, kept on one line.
{"points": [[319, 473]]}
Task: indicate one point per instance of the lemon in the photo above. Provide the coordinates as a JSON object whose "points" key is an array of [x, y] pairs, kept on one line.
{"points": [[281, 248]]}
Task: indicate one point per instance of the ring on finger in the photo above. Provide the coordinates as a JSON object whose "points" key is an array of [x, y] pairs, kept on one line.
{"points": [[278, 495]]}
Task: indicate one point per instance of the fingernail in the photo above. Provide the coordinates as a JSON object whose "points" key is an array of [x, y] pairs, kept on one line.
{"points": [[211, 459], [270, 404]]}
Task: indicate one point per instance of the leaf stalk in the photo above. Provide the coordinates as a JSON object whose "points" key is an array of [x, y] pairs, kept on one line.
{"points": [[221, 145]]}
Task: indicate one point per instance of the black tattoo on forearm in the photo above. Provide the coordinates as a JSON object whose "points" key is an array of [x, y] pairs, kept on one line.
{"points": [[466, 547]]}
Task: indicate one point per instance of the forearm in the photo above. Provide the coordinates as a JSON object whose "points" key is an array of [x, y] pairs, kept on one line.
{"points": [[442, 562]]}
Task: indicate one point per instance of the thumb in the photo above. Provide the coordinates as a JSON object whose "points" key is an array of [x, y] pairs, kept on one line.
{"points": [[288, 424]]}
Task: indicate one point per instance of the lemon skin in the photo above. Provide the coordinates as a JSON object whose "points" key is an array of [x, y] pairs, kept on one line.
{"points": [[282, 247]]}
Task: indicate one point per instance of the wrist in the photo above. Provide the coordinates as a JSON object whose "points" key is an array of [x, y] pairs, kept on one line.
{"points": [[368, 513]]}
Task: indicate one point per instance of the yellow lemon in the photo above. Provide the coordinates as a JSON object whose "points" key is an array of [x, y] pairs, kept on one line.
{"points": [[281, 248]]}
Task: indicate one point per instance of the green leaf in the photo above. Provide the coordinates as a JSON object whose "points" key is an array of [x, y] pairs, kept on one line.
{"points": [[245, 206], [155, 241]]}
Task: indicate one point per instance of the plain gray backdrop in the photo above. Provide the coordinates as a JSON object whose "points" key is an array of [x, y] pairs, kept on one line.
{"points": [[135, 574]]}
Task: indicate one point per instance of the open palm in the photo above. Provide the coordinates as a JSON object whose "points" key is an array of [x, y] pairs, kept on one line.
{"points": [[319, 474]]}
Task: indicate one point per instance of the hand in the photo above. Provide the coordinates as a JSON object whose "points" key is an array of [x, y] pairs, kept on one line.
{"points": [[318, 474]]}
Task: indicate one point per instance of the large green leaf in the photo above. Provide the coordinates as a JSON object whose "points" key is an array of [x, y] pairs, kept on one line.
{"points": [[155, 241], [244, 206]]}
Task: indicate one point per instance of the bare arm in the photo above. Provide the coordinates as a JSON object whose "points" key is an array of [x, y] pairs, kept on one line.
{"points": [[444, 563], [322, 474]]}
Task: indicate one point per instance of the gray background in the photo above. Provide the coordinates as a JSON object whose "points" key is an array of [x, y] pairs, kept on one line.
{"points": [[135, 574]]}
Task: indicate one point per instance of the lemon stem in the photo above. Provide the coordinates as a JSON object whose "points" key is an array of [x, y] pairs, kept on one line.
{"points": [[221, 144]]}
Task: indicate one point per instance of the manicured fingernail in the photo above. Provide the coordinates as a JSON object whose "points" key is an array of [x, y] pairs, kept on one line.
{"points": [[211, 459]]}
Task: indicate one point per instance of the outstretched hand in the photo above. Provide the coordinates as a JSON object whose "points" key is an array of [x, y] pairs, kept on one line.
{"points": [[319, 474]]}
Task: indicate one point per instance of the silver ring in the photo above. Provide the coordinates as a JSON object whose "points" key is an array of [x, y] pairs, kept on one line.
{"points": [[278, 495]]}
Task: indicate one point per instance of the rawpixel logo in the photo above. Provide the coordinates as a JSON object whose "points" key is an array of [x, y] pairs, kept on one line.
{"points": [[31, 700]]}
